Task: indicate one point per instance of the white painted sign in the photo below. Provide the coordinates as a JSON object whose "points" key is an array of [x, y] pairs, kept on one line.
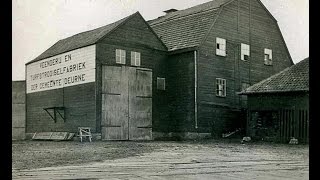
{"points": [[63, 70]]}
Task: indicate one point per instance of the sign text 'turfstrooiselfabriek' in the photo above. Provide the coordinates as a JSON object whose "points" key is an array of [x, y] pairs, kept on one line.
{"points": [[63, 70]]}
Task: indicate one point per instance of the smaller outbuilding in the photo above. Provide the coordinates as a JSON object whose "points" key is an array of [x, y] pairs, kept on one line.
{"points": [[278, 107], [18, 110]]}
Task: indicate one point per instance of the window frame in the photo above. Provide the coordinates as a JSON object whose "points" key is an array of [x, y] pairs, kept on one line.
{"points": [[245, 51], [220, 82], [222, 43], [163, 88], [134, 57], [267, 52], [121, 55]]}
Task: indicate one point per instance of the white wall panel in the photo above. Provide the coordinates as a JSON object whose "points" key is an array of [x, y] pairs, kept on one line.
{"points": [[63, 70]]}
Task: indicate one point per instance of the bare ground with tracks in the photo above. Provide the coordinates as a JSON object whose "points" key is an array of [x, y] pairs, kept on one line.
{"points": [[158, 160]]}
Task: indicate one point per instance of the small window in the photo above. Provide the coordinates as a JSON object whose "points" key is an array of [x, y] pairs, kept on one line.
{"points": [[220, 47], [267, 56], [120, 56], [221, 87], [135, 58], [245, 52], [161, 83]]}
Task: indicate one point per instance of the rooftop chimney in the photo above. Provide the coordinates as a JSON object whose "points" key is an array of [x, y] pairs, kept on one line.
{"points": [[170, 11]]}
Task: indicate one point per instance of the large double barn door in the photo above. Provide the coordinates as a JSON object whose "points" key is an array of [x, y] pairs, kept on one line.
{"points": [[126, 103]]}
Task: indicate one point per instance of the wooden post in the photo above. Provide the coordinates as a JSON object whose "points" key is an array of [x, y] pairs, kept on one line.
{"points": [[297, 123], [280, 126], [307, 119], [285, 124], [291, 123]]}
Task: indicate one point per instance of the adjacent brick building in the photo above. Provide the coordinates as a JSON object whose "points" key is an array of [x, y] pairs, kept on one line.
{"points": [[177, 75]]}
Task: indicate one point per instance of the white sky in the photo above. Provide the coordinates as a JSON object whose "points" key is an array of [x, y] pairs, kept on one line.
{"points": [[38, 24]]}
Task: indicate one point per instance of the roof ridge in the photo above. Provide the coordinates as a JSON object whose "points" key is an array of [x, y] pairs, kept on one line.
{"points": [[181, 17], [282, 78], [208, 8], [98, 27], [45, 54]]}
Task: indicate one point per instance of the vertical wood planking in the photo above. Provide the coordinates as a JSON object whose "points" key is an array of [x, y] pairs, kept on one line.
{"points": [[307, 129], [140, 104], [114, 103], [285, 124]]}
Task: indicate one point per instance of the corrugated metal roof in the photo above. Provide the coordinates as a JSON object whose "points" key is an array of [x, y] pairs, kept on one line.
{"points": [[294, 78], [186, 28], [80, 40]]}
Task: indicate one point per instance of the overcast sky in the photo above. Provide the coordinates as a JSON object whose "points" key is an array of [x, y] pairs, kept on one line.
{"points": [[38, 24]]}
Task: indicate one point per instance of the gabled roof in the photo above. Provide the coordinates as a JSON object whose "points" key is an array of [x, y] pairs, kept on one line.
{"points": [[81, 40], [187, 28], [291, 79]]}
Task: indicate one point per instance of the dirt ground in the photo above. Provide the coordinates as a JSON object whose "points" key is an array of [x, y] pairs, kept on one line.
{"points": [[207, 159]]}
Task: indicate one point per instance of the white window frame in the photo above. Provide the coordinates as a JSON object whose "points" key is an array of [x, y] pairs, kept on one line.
{"points": [[267, 53], [135, 58], [164, 83], [120, 56], [221, 87], [221, 51], [245, 51]]}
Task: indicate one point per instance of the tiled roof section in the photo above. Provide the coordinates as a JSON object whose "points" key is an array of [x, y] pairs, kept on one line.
{"points": [[186, 28], [294, 78], [79, 40]]}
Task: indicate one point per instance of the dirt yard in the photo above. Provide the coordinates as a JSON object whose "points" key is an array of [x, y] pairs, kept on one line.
{"points": [[158, 160]]}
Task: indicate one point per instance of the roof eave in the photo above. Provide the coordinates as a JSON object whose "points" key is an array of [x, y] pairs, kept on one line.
{"points": [[182, 50], [36, 60], [272, 92]]}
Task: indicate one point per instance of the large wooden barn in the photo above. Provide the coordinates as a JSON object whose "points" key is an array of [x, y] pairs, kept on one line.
{"points": [[278, 107], [177, 75]]}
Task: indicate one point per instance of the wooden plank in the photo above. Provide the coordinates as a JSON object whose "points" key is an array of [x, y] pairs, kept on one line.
{"points": [[42, 136], [304, 125], [285, 124], [59, 136], [307, 129], [299, 125], [280, 126], [296, 123], [114, 103], [140, 104], [51, 136], [303, 130], [291, 123]]}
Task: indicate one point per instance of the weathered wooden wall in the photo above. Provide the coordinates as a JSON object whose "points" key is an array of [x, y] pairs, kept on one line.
{"points": [[292, 111], [181, 92], [135, 35], [79, 102], [237, 25], [18, 110], [277, 101]]}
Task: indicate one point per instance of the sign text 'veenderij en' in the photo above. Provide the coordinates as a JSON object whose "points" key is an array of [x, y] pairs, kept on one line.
{"points": [[75, 67]]}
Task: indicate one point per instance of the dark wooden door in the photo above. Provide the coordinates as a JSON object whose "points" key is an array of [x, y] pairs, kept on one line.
{"points": [[126, 103]]}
